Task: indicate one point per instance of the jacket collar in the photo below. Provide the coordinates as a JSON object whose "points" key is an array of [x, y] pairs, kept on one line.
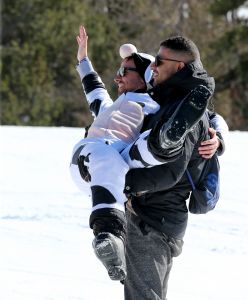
{"points": [[181, 83]]}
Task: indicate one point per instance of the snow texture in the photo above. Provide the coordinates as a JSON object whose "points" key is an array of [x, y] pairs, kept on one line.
{"points": [[45, 250]]}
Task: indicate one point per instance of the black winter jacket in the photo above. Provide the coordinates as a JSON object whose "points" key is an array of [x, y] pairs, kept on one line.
{"points": [[166, 187]]}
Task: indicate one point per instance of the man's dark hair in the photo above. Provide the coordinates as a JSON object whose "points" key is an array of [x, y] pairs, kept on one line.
{"points": [[141, 64], [182, 45]]}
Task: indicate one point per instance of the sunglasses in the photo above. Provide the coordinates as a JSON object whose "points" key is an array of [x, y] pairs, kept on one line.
{"points": [[158, 60], [123, 71]]}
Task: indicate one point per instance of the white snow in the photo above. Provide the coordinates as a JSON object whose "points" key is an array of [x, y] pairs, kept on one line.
{"points": [[45, 241]]}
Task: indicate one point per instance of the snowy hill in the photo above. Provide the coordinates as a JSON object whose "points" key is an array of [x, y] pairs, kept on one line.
{"points": [[45, 250]]}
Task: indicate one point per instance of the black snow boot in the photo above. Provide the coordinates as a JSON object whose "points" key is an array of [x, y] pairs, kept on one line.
{"points": [[109, 246], [187, 114]]}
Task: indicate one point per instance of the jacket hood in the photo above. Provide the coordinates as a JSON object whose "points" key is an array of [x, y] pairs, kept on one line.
{"points": [[181, 83]]}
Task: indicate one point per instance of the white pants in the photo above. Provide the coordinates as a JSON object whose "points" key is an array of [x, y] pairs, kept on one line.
{"points": [[108, 162]]}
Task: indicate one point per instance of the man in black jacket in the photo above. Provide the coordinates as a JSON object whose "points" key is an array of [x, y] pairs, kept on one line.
{"points": [[156, 210], [173, 81]]}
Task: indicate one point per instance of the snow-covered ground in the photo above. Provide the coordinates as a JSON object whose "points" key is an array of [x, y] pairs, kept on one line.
{"points": [[45, 242]]}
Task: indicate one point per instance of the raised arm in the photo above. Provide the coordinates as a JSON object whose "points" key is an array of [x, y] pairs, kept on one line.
{"points": [[94, 89]]}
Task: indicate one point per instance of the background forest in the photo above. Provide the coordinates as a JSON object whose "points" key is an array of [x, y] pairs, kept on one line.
{"points": [[39, 83]]}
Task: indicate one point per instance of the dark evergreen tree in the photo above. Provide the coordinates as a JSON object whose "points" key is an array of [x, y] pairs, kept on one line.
{"points": [[39, 84], [230, 58]]}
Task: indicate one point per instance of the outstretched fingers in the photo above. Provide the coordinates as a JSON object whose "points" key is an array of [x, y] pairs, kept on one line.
{"points": [[78, 40], [82, 33], [82, 43]]}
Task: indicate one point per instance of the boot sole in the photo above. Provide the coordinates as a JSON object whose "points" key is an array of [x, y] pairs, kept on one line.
{"points": [[187, 114], [106, 250]]}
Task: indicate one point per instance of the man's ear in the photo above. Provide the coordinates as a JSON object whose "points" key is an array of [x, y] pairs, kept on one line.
{"points": [[181, 65]]}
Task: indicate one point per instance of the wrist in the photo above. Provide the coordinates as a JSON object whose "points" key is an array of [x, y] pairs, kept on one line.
{"points": [[81, 60], [84, 67]]}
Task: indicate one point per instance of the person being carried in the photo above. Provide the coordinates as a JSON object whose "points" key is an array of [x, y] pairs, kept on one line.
{"points": [[116, 126]]}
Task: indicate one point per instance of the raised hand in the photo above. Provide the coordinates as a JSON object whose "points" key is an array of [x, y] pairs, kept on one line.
{"points": [[82, 39], [209, 147]]}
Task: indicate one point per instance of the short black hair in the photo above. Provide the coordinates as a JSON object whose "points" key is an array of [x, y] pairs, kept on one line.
{"points": [[183, 45]]}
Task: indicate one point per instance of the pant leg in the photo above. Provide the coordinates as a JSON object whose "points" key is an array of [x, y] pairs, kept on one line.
{"points": [[107, 170], [137, 155], [149, 261], [140, 155]]}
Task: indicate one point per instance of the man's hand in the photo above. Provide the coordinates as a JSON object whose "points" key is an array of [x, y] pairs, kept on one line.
{"points": [[82, 39], [209, 147]]}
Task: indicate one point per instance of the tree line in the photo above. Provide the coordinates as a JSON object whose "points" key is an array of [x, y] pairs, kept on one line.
{"points": [[39, 83]]}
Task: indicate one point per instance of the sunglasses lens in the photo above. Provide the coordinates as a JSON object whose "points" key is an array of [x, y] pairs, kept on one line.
{"points": [[121, 72], [157, 61]]}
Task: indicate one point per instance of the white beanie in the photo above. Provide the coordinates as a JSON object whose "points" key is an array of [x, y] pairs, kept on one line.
{"points": [[142, 61]]}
